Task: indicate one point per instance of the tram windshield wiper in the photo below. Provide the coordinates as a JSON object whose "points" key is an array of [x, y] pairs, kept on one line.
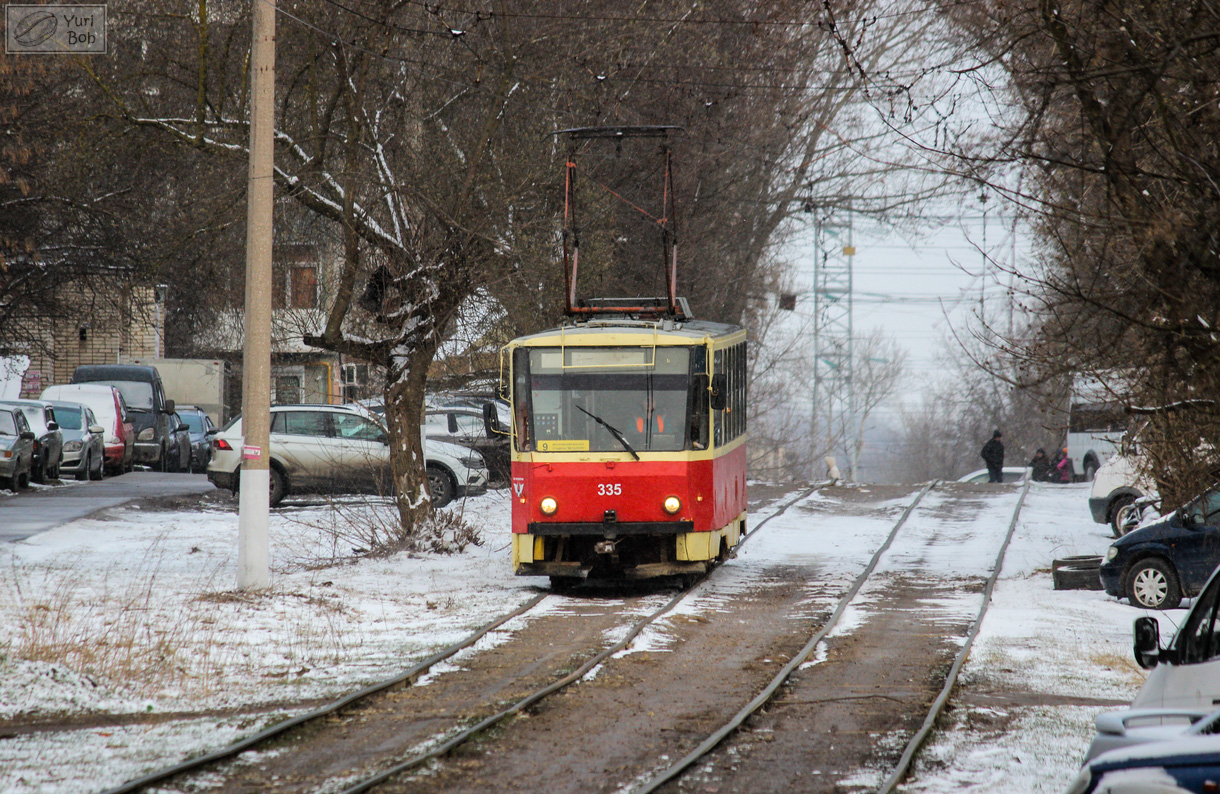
{"points": [[613, 431]]}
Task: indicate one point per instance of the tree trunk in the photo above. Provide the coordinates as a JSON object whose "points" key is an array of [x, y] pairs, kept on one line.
{"points": [[406, 375]]}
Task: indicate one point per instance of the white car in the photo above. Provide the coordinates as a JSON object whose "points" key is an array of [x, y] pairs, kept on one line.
{"points": [[339, 449], [1009, 473]]}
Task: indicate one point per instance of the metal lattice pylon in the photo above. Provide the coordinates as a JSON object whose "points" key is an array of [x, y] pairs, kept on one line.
{"points": [[834, 406]]}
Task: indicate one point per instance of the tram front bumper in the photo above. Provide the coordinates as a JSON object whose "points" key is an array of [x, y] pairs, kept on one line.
{"points": [[577, 571]]}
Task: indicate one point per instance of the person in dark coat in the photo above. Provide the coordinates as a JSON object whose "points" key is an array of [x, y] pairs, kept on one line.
{"points": [[993, 456], [1040, 467]]}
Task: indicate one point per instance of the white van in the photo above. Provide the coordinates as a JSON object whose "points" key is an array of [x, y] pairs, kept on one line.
{"points": [[111, 413], [1184, 685]]}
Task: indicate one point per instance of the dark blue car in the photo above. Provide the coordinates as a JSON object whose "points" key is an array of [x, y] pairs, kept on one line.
{"points": [[1189, 765], [1157, 565]]}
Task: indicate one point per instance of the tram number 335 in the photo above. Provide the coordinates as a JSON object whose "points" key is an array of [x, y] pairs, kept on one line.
{"points": [[609, 489]]}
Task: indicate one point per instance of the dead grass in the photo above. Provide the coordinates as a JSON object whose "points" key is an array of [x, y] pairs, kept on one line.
{"points": [[181, 638], [1123, 664]]}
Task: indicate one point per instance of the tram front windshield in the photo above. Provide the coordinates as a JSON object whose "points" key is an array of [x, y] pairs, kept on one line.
{"points": [[592, 399]]}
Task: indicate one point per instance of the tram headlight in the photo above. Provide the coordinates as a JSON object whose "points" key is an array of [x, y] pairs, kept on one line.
{"points": [[672, 505], [548, 505]]}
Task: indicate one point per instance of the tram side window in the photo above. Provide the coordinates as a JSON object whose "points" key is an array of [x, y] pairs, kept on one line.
{"points": [[699, 430], [731, 422], [718, 417]]}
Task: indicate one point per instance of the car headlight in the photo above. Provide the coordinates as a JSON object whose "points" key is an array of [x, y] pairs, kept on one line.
{"points": [[73, 446], [672, 504], [473, 462], [146, 434], [548, 505], [1111, 553]]}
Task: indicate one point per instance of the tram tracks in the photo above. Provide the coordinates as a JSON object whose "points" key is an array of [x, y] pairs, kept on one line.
{"points": [[279, 732], [591, 741], [466, 770]]}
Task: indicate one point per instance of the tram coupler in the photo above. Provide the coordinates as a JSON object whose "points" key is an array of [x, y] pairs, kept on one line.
{"points": [[605, 546]]}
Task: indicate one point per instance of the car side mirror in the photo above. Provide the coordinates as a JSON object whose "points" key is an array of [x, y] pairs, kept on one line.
{"points": [[212, 431], [27, 435], [491, 420], [169, 406], [383, 439], [97, 430], [720, 392], [183, 426], [1147, 644], [52, 425]]}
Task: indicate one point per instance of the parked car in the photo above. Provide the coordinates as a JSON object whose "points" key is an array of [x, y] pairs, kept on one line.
{"points": [[1185, 765], [48, 442], [110, 410], [465, 426], [325, 448], [84, 450], [198, 424], [1009, 473], [178, 454], [1158, 564], [1117, 485], [16, 448], [1178, 698], [147, 406]]}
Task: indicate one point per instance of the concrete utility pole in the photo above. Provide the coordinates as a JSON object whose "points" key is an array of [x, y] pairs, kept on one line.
{"points": [[253, 548]]}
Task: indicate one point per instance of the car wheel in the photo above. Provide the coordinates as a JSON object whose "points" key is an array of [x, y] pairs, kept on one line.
{"points": [[86, 468], [1152, 584], [440, 487], [278, 488], [23, 480], [14, 482], [1116, 523], [1090, 470]]}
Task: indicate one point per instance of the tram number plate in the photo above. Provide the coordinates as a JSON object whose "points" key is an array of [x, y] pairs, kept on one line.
{"points": [[609, 489]]}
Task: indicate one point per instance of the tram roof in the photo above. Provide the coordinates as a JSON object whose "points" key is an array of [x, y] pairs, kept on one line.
{"points": [[596, 331]]}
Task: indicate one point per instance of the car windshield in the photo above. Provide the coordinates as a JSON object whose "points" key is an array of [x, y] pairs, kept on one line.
{"points": [[34, 415], [586, 399], [68, 419], [8, 425], [137, 394], [193, 421]]}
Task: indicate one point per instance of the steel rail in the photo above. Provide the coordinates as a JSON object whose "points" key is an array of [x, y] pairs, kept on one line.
{"points": [[466, 735], [410, 676], [938, 705], [281, 727], [763, 697]]}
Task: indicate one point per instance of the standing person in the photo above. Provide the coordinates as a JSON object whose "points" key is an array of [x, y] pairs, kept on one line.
{"points": [[1040, 467], [1064, 467], [993, 456]]}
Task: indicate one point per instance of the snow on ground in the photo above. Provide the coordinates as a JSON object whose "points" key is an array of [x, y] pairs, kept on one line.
{"points": [[1035, 640], [135, 612]]}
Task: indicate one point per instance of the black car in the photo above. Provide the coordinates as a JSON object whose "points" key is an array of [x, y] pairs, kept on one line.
{"points": [[1157, 565], [199, 424]]}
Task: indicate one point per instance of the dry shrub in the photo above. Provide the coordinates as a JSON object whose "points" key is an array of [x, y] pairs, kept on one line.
{"points": [[371, 527]]}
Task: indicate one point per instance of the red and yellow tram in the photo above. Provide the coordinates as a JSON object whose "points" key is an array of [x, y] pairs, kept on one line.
{"points": [[628, 447]]}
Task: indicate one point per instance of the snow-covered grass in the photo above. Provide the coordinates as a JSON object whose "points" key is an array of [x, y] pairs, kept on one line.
{"points": [[1035, 641], [136, 612]]}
